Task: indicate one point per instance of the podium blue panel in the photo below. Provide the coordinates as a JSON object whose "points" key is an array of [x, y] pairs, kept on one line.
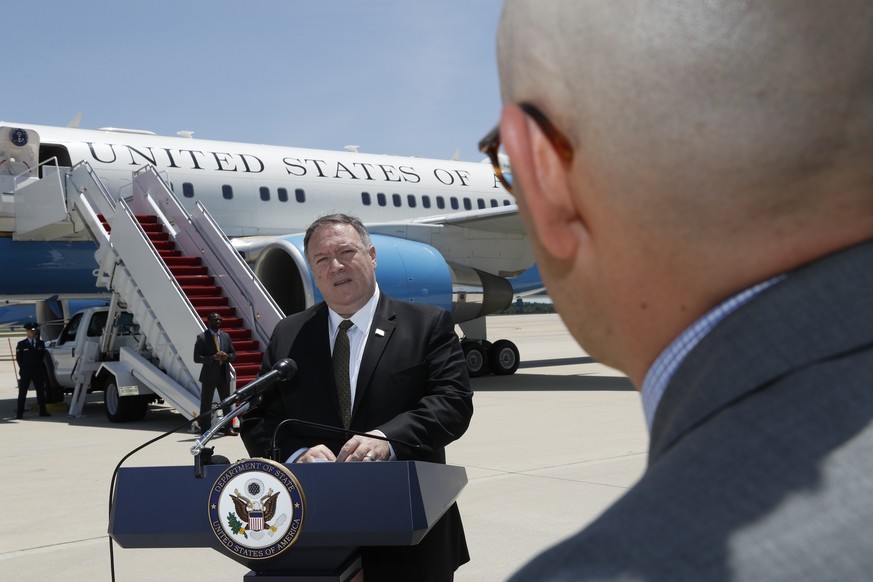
{"points": [[347, 505]]}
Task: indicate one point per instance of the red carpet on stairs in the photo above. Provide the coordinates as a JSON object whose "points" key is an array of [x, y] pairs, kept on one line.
{"points": [[206, 296]]}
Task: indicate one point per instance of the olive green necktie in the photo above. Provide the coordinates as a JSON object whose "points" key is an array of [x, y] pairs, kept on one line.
{"points": [[217, 344], [341, 353]]}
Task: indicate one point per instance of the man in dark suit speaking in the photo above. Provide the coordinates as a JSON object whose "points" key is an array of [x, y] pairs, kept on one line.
{"points": [[371, 364]]}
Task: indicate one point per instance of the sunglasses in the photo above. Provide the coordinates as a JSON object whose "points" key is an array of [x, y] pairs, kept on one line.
{"points": [[490, 144]]}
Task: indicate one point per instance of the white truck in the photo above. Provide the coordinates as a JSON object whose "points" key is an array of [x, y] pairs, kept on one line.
{"points": [[88, 352]]}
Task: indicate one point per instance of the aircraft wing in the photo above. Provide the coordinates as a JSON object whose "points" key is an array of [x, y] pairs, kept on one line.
{"points": [[492, 240], [502, 220]]}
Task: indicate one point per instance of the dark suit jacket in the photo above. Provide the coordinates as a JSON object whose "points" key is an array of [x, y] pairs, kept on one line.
{"points": [[204, 349], [31, 365], [412, 385], [30, 359], [761, 458]]}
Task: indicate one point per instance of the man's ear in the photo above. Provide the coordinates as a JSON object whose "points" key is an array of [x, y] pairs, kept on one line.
{"points": [[543, 179]]}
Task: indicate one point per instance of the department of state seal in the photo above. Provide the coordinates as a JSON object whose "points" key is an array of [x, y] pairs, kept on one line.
{"points": [[256, 508]]}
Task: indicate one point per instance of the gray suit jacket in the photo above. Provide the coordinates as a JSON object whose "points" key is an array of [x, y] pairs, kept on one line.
{"points": [[761, 457]]}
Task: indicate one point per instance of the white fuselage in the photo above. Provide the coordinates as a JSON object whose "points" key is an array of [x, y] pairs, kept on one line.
{"points": [[260, 190]]}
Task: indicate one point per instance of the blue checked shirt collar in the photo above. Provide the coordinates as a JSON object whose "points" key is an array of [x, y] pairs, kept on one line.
{"points": [[666, 364]]}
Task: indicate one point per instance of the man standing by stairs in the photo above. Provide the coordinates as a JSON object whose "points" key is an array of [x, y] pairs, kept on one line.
{"points": [[215, 351]]}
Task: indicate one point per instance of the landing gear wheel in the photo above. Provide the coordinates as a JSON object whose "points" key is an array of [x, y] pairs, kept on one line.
{"points": [[477, 364], [126, 409], [503, 358]]}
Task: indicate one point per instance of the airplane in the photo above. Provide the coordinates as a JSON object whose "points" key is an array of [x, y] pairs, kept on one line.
{"points": [[446, 231], [13, 316]]}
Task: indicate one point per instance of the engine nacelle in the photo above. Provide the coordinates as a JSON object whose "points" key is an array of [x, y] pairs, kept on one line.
{"points": [[406, 270]]}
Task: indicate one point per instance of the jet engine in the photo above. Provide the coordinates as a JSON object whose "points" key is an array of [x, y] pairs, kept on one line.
{"points": [[407, 270]]}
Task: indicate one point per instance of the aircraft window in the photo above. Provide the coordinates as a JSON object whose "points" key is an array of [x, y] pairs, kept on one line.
{"points": [[265, 193], [365, 198], [410, 198], [454, 202], [300, 194], [282, 194], [493, 203], [187, 189], [467, 204], [425, 201], [380, 198], [441, 202], [395, 198], [481, 203], [227, 192]]}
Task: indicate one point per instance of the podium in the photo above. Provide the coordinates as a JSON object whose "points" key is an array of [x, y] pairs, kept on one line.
{"points": [[343, 506]]}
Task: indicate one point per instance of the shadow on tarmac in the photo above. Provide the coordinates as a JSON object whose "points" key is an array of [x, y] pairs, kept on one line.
{"points": [[551, 382], [162, 419], [157, 419], [556, 362]]}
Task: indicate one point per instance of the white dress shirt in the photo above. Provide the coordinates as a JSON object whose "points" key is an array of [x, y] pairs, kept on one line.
{"points": [[358, 335]]}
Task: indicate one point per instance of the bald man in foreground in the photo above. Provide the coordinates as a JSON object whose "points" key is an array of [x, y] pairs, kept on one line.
{"points": [[697, 181]]}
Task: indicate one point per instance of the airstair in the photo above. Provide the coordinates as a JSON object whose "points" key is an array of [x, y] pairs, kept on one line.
{"points": [[167, 267]]}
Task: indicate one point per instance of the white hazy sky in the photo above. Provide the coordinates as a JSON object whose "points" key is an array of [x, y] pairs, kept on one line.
{"points": [[392, 76]]}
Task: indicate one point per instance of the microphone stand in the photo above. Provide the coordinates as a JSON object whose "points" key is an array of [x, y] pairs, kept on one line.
{"points": [[199, 449], [283, 370], [198, 471]]}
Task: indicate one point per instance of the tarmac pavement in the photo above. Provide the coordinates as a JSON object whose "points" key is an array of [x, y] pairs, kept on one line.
{"points": [[548, 449]]}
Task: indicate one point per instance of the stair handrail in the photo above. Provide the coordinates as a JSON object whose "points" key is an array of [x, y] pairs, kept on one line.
{"points": [[131, 246], [103, 201], [263, 311], [197, 233], [139, 255], [31, 172]]}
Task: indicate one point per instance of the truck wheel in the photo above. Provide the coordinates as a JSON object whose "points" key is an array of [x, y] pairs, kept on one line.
{"points": [[503, 358], [54, 392], [126, 409]]}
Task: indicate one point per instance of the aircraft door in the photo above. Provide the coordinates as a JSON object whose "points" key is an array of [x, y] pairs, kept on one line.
{"points": [[19, 150]]}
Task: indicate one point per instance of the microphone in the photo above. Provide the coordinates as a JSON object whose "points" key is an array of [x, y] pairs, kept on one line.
{"points": [[282, 370]]}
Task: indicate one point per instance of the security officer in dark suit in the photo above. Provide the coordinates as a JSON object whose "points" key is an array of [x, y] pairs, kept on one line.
{"points": [[215, 351], [31, 366]]}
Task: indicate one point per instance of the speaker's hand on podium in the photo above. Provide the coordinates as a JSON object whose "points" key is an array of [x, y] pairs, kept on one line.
{"points": [[316, 454], [360, 448]]}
